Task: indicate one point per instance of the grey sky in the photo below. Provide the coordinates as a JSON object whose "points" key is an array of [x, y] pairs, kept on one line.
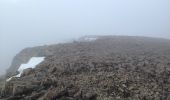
{"points": [[25, 23]]}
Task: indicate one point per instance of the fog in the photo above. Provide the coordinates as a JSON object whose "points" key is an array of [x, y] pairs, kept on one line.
{"points": [[27, 23]]}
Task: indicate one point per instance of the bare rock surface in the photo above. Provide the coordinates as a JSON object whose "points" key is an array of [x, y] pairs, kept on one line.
{"points": [[109, 68]]}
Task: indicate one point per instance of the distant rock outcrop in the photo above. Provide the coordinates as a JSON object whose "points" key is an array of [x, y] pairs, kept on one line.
{"points": [[108, 68]]}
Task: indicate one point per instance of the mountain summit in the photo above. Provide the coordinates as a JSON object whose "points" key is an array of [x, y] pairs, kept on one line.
{"points": [[102, 68]]}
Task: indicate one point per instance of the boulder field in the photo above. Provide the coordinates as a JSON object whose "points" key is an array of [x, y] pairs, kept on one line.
{"points": [[108, 68]]}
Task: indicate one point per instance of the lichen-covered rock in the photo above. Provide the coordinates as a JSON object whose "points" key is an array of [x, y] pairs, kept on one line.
{"points": [[27, 72]]}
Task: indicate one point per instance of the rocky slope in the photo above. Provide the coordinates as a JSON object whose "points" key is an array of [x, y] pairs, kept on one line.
{"points": [[25, 55], [109, 68]]}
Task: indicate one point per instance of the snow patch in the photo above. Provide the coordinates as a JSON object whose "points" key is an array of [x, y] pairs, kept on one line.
{"points": [[33, 62], [9, 78], [90, 39]]}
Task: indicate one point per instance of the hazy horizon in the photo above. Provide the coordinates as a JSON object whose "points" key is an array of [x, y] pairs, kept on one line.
{"points": [[28, 23]]}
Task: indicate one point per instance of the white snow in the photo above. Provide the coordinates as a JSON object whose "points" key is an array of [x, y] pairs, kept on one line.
{"points": [[9, 78], [90, 39], [33, 62]]}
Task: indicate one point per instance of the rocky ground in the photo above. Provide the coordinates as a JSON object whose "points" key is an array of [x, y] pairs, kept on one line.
{"points": [[109, 68]]}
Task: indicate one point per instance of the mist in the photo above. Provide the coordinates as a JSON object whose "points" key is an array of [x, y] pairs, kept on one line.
{"points": [[28, 23]]}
